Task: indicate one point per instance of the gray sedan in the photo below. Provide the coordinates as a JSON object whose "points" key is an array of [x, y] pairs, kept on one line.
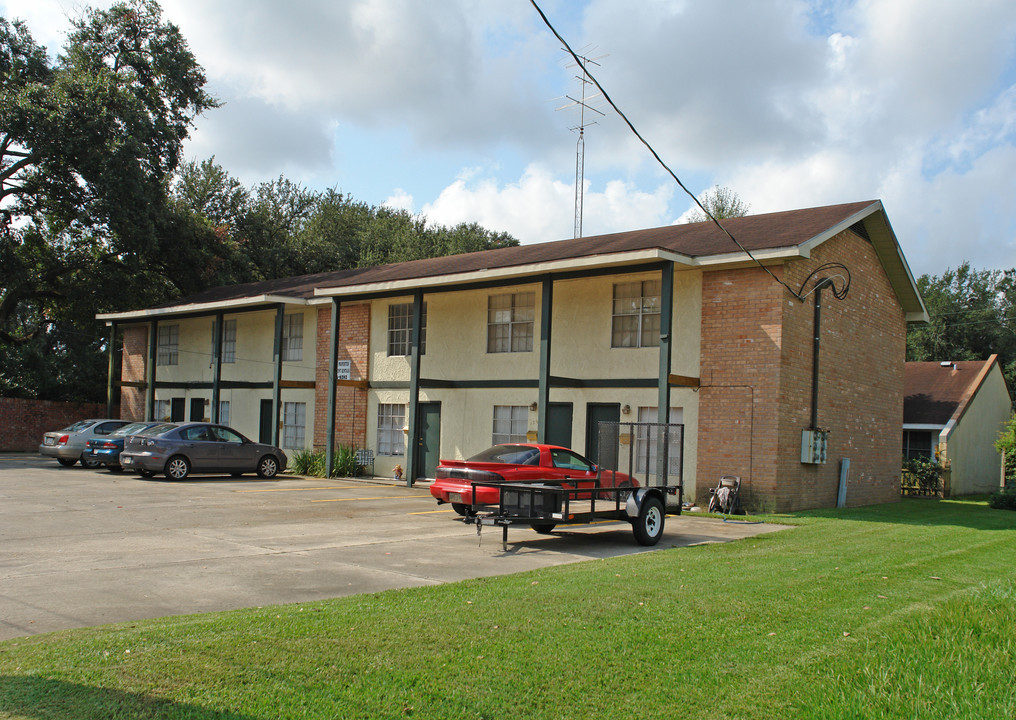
{"points": [[179, 450], [69, 445]]}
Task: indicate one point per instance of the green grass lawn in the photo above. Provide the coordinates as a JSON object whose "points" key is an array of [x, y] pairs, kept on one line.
{"points": [[897, 611]]}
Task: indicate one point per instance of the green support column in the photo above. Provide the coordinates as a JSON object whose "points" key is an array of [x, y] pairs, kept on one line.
{"points": [[280, 317], [333, 365], [543, 399], [111, 373], [153, 339], [217, 332], [412, 439], [666, 342]]}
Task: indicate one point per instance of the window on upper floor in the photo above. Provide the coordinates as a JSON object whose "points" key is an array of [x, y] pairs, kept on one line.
{"points": [[169, 345], [292, 337], [510, 322], [510, 424], [400, 330], [635, 319], [228, 341]]}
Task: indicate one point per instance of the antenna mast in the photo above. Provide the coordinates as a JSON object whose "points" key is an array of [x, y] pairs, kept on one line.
{"points": [[583, 103]]}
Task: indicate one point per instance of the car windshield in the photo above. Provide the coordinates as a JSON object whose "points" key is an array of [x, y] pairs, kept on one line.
{"points": [[509, 454], [79, 425], [129, 429]]}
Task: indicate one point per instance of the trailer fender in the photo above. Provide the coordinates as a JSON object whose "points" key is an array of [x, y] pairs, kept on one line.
{"points": [[634, 503]]}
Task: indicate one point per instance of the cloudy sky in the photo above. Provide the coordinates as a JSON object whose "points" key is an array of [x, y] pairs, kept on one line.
{"points": [[450, 108]]}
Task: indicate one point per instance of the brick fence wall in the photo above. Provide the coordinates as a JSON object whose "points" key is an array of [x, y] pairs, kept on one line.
{"points": [[23, 422]]}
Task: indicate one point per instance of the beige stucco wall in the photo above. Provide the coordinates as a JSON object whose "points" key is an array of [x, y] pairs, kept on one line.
{"points": [[255, 342], [457, 350], [975, 465]]}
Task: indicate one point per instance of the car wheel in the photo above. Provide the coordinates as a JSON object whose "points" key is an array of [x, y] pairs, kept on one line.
{"points": [[177, 468], [461, 508], [268, 467], [648, 526], [114, 469], [146, 473], [89, 462], [543, 528], [66, 462]]}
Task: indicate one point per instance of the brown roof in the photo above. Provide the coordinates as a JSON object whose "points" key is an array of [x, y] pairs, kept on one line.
{"points": [[755, 232], [932, 392]]}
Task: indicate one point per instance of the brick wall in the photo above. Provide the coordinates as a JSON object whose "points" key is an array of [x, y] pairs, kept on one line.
{"points": [[756, 334], [350, 403], [23, 422], [135, 354]]}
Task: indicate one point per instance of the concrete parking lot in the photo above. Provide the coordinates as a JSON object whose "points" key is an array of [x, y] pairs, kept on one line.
{"points": [[81, 547]]}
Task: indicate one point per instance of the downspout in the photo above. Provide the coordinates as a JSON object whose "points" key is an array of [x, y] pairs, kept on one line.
{"points": [[816, 342], [217, 361]]}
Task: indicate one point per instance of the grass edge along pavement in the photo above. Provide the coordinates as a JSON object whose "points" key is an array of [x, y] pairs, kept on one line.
{"points": [[904, 610]]}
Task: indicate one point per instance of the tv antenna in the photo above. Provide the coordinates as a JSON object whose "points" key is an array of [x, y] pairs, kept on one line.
{"points": [[584, 102]]}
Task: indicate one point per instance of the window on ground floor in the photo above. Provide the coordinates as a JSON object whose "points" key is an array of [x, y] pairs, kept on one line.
{"points": [[917, 444], [510, 423], [294, 423], [647, 441], [391, 418]]}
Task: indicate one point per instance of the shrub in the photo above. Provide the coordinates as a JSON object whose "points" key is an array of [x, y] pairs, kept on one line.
{"points": [[1004, 500], [921, 476], [310, 462]]}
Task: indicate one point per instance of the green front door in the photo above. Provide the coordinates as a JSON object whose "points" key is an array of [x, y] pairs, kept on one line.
{"points": [[559, 424], [595, 414], [428, 451]]}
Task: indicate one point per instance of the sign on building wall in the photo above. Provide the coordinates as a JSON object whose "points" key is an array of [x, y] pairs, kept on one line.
{"points": [[343, 369]]}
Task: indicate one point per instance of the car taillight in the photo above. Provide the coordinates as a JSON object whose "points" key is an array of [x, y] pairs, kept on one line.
{"points": [[63, 439], [109, 445]]}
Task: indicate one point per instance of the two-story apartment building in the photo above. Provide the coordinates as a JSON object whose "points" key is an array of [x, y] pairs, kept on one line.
{"points": [[797, 333]]}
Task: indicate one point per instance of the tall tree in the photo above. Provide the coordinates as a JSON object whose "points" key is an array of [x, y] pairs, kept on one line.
{"points": [[973, 315], [88, 144], [721, 202]]}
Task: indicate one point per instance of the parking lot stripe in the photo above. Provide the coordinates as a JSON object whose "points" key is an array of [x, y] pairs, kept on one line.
{"points": [[331, 487], [387, 497]]}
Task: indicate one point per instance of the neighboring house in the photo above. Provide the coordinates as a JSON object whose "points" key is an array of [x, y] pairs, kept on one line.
{"points": [[547, 340], [953, 412]]}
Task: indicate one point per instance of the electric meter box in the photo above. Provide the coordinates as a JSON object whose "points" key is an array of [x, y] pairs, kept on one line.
{"points": [[814, 446]]}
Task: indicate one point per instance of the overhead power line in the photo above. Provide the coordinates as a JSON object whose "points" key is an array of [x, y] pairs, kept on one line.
{"points": [[656, 155]]}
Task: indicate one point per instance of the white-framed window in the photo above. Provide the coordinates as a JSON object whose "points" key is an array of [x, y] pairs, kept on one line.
{"points": [[391, 418], [292, 337], [510, 322], [224, 412], [163, 410], [647, 441], [635, 318], [294, 424], [510, 424], [400, 329], [169, 345], [228, 341]]}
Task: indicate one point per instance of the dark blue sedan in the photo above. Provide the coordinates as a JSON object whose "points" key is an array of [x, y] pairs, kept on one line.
{"points": [[106, 450]]}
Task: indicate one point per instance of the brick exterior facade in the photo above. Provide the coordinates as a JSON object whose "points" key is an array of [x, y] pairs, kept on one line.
{"points": [[350, 402], [135, 355], [756, 372], [23, 422]]}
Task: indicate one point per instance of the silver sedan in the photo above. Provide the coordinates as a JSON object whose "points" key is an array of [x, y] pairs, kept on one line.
{"points": [[70, 444], [179, 450]]}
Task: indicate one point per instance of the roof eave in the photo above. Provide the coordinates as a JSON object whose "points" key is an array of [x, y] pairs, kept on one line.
{"points": [[196, 308]]}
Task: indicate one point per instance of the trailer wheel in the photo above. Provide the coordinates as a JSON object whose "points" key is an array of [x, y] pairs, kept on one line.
{"points": [[543, 528], [648, 526]]}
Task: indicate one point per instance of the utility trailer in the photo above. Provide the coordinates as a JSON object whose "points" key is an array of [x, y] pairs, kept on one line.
{"points": [[545, 505]]}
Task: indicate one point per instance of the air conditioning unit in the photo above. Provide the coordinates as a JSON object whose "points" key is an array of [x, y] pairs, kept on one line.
{"points": [[814, 446]]}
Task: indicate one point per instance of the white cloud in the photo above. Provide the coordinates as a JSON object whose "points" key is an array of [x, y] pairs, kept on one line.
{"points": [[539, 207]]}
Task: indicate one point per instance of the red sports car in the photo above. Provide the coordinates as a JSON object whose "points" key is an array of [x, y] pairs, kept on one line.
{"points": [[516, 462]]}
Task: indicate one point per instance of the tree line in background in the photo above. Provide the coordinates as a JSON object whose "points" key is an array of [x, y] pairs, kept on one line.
{"points": [[98, 213]]}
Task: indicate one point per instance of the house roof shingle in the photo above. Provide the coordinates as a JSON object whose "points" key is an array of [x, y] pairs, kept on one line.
{"points": [[932, 391]]}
